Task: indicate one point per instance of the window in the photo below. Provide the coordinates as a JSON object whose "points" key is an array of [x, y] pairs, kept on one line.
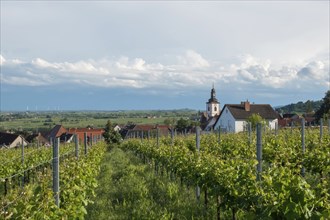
{"points": [[215, 108]]}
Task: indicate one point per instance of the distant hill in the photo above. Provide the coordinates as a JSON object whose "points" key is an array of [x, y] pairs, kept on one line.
{"points": [[300, 107]]}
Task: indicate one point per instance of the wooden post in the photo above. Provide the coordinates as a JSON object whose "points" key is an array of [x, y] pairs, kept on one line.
{"points": [[259, 151], [321, 129], [303, 142], [218, 207], [6, 183], [276, 128], [85, 142], [76, 139], [172, 136], [23, 177], [198, 141], [56, 178], [249, 129], [157, 137]]}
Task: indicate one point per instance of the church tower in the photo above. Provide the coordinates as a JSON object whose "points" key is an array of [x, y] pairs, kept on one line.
{"points": [[212, 106]]}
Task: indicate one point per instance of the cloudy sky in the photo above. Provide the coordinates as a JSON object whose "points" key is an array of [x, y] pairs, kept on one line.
{"points": [[111, 55]]}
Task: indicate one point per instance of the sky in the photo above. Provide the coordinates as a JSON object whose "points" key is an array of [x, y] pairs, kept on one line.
{"points": [[133, 55]]}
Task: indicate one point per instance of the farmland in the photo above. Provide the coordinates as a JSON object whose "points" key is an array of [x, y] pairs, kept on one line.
{"points": [[40, 121]]}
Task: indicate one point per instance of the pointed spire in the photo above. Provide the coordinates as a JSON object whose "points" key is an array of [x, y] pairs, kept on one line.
{"points": [[213, 95]]}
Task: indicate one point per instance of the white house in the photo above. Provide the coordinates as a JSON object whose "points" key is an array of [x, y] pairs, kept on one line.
{"points": [[233, 116]]}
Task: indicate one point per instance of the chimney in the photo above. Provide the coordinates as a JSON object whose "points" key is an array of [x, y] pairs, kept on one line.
{"points": [[247, 106]]}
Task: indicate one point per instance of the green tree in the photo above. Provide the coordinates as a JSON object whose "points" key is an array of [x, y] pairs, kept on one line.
{"points": [[110, 135], [171, 122], [309, 106], [182, 124], [324, 110], [254, 119]]}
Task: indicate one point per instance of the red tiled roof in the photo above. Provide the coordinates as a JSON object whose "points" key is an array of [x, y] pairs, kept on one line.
{"points": [[57, 131]]}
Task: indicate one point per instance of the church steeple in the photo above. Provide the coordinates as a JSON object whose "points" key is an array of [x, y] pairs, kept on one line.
{"points": [[213, 98], [213, 106]]}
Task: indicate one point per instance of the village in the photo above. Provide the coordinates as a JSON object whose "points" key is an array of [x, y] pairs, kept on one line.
{"points": [[229, 118]]}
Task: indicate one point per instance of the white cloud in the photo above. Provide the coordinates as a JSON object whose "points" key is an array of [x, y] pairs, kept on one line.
{"points": [[263, 73], [40, 63], [2, 60], [23, 81], [193, 59], [193, 71], [314, 70]]}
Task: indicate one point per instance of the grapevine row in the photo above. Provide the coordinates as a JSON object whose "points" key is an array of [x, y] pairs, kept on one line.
{"points": [[228, 170], [77, 184]]}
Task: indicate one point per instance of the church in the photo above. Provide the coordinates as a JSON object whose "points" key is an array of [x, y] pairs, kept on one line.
{"points": [[233, 117], [212, 113]]}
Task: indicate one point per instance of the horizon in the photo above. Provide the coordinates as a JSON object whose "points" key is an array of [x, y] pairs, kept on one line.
{"points": [[133, 110]]}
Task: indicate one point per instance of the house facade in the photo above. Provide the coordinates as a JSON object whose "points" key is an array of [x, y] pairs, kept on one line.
{"points": [[93, 134], [66, 135], [8, 140], [37, 139], [233, 117]]}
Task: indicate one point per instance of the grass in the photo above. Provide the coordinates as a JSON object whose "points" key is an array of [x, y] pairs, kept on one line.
{"points": [[129, 189]]}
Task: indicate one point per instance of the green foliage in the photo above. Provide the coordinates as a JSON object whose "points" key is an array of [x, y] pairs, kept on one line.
{"points": [[110, 135], [171, 122], [324, 110], [77, 184], [228, 169], [183, 124], [254, 119], [301, 107]]}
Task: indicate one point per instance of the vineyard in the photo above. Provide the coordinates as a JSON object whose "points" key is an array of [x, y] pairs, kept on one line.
{"points": [[293, 183], [229, 179], [26, 190]]}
